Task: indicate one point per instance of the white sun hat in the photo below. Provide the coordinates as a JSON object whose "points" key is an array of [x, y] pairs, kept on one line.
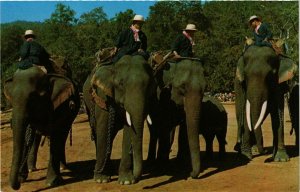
{"points": [[190, 27], [138, 18], [29, 32], [254, 17]]}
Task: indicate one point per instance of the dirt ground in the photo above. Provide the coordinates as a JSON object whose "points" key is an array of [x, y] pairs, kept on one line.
{"points": [[229, 175]]}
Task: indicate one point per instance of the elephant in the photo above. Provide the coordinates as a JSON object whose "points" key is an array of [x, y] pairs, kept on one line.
{"points": [[44, 103], [117, 96], [260, 86], [213, 122], [178, 101]]}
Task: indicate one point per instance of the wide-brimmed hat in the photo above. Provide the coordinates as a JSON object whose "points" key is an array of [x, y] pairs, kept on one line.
{"points": [[190, 27], [138, 18], [254, 17], [29, 32]]}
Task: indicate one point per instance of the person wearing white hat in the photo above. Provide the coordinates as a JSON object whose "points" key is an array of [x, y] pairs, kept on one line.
{"points": [[261, 31], [32, 53], [132, 40], [183, 44]]}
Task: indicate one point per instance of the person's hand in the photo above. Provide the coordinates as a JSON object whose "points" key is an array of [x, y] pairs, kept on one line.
{"points": [[114, 51], [176, 56]]}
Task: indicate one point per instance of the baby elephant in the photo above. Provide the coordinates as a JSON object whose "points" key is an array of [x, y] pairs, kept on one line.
{"points": [[213, 123]]}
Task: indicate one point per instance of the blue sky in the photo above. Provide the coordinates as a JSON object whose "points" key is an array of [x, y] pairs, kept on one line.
{"points": [[41, 10]]}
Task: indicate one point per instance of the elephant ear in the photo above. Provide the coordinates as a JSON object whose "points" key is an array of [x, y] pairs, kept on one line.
{"points": [[240, 69], [62, 89], [101, 80], [287, 69], [8, 85]]}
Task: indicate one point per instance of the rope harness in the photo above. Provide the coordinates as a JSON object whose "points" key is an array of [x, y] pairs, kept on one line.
{"points": [[29, 138]]}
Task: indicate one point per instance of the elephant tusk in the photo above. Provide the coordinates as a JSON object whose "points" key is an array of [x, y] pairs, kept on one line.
{"points": [[262, 114], [248, 114], [128, 118], [149, 120]]}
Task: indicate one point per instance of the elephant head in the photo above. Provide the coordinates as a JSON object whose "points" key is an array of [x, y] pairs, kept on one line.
{"points": [[186, 82], [127, 86], [258, 83], [34, 99]]}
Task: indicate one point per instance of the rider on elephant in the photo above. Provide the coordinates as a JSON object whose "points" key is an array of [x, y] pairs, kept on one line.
{"points": [[32, 53], [261, 32], [132, 41], [183, 44]]}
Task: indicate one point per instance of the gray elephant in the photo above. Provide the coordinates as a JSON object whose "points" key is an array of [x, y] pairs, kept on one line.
{"points": [[213, 122], [179, 102], [260, 87], [117, 96], [40, 102]]}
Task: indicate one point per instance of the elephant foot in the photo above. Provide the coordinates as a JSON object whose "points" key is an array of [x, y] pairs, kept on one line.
{"points": [[30, 170], [237, 147], [63, 166], [54, 181], [23, 177], [246, 151], [247, 155], [102, 178], [194, 174], [126, 179], [281, 156]]}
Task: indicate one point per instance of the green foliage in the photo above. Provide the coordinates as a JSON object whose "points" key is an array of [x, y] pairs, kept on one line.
{"points": [[222, 27]]}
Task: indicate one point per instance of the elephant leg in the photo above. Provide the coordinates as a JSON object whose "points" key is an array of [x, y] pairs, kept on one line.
{"points": [[240, 115], [209, 138], [126, 176], [183, 145], [32, 157], [63, 162], [164, 145], [246, 144], [279, 151], [53, 174], [152, 143], [102, 142], [222, 143]]}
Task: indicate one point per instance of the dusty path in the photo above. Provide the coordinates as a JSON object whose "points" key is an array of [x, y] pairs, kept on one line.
{"points": [[229, 175]]}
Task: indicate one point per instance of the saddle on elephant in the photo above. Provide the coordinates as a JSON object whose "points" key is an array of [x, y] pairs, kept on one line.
{"points": [[277, 44], [59, 65], [105, 55]]}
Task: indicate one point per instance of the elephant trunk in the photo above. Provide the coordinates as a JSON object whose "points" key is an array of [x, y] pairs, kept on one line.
{"points": [[192, 105], [19, 124], [255, 114], [136, 115]]}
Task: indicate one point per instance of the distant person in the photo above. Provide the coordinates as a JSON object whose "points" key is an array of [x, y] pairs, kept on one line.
{"points": [[32, 53], [261, 32], [183, 44], [132, 41]]}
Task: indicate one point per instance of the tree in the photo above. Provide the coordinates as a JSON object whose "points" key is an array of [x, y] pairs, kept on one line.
{"points": [[96, 16], [63, 15]]}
